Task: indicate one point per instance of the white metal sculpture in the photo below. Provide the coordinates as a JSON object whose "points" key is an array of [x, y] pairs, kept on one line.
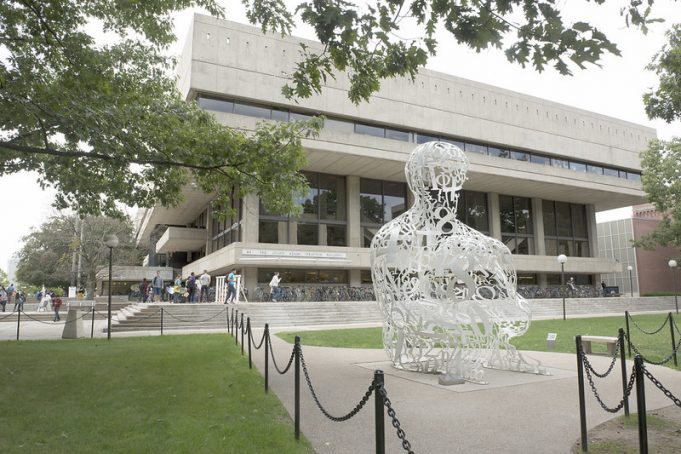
{"points": [[447, 292]]}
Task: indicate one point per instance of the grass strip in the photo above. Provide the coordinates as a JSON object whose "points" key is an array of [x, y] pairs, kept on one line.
{"points": [[190, 393], [655, 347]]}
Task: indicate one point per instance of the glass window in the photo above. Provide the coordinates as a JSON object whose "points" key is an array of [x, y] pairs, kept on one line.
{"points": [[506, 214], [394, 200], [610, 172], [252, 110], [577, 166], [458, 143], [365, 276], [295, 116], [333, 277], [308, 234], [527, 279], [551, 246], [523, 215], [332, 197], [549, 218], [566, 247], [217, 105], [335, 235], [309, 201], [423, 138], [396, 134], [562, 163], [633, 176], [499, 152], [268, 232], [280, 114], [476, 148], [520, 155], [594, 169], [579, 221], [623, 174], [371, 201], [563, 219], [475, 205], [538, 159], [583, 279], [583, 249], [369, 130], [339, 126], [368, 235]]}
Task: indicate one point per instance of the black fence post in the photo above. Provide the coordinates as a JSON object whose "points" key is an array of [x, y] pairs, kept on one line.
{"points": [[92, 326], [626, 318], [227, 317], [242, 334], [582, 403], [161, 321], [267, 357], [641, 405], [249, 334], [379, 412], [296, 387], [671, 327], [231, 323], [18, 321], [623, 364]]}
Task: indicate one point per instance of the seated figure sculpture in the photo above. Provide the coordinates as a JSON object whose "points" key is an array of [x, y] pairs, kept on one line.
{"points": [[447, 292]]}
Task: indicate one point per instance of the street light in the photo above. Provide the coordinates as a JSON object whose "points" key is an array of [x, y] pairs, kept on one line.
{"points": [[562, 259], [672, 264], [631, 280], [111, 242]]}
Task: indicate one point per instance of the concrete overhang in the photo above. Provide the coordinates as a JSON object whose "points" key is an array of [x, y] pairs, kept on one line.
{"points": [[181, 239], [193, 202]]}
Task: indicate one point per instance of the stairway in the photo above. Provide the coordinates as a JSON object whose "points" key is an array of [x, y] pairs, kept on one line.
{"points": [[147, 317]]}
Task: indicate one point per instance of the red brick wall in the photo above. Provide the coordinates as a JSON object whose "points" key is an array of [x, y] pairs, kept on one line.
{"points": [[654, 274]]}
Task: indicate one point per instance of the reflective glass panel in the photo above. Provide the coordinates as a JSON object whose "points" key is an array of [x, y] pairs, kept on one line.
{"points": [[549, 218], [458, 143], [217, 105], [523, 215], [371, 201], [394, 200], [423, 138], [332, 197], [339, 125], [335, 235], [562, 163], [368, 235], [280, 114], [476, 148], [551, 247], [563, 219], [294, 116], [499, 152], [538, 159], [579, 221], [310, 200], [578, 166], [396, 134], [308, 234], [252, 110], [594, 169], [369, 130], [633, 176], [610, 172], [520, 156], [476, 211], [268, 232], [506, 214]]}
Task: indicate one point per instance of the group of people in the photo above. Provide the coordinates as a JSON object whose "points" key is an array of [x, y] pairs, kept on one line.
{"points": [[193, 289], [49, 299], [11, 296]]}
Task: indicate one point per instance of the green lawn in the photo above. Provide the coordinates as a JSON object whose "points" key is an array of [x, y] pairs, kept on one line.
{"points": [[655, 347], [150, 394]]}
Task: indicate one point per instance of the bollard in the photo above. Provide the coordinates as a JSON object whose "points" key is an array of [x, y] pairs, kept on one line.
{"points": [[582, 403], [242, 334], [671, 327], [623, 364], [249, 334], [18, 321], [641, 406], [626, 318], [92, 326], [379, 403], [161, 321], [296, 387], [267, 357]]}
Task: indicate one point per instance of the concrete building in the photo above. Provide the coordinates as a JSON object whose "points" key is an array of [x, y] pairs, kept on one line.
{"points": [[538, 173], [650, 273]]}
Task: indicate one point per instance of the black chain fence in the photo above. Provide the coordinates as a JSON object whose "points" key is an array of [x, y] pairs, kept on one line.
{"points": [[666, 320]]}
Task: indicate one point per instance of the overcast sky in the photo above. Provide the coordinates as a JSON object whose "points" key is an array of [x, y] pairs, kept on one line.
{"points": [[614, 90]]}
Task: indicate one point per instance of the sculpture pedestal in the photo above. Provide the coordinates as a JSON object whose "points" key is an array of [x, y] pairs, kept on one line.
{"points": [[448, 380], [73, 328]]}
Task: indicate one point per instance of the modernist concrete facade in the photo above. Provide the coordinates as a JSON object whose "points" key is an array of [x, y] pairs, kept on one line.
{"points": [[650, 271], [538, 173]]}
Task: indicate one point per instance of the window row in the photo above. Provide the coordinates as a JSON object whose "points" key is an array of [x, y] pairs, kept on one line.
{"points": [[336, 124], [303, 276]]}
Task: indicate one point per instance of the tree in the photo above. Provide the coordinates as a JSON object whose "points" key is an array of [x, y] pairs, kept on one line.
{"points": [[45, 258], [3, 278], [661, 162], [112, 110]]}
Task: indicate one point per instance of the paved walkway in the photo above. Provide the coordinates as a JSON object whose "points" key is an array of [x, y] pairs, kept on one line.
{"points": [[514, 413]]}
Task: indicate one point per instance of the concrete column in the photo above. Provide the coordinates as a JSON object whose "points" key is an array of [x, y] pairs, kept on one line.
{"points": [[493, 213], [209, 229], [355, 278], [543, 281], [592, 230], [282, 232], [354, 231], [292, 232], [321, 234], [538, 227], [250, 279], [249, 218]]}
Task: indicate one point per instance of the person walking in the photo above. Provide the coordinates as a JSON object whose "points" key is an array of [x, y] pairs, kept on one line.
{"points": [[11, 296], [144, 290], [3, 297], [191, 287], [603, 287], [205, 285], [19, 302], [56, 305], [274, 286], [157, 283], [231, 287], [177, 290]]}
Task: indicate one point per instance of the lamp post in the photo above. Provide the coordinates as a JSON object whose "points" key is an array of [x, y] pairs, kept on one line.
{"points": [[672, 265], [111, 242], [631, 280], [562, 259]]}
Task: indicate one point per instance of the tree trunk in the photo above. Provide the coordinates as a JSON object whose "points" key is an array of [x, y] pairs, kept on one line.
{"points": [[90, 284]]}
